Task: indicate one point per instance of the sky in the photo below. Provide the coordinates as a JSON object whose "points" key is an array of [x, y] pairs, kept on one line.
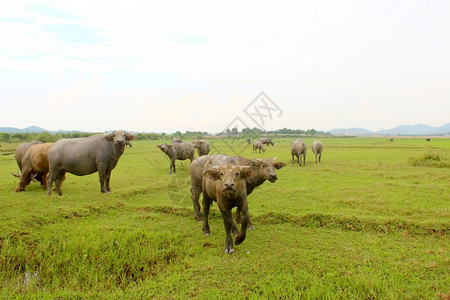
{"points": [[164, 66]]}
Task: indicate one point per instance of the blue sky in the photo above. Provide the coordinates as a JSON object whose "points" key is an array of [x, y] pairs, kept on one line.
{"points": [[159, 66]]}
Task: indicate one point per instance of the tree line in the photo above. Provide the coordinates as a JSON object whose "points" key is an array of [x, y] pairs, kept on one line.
{"points": [[48, 137]]}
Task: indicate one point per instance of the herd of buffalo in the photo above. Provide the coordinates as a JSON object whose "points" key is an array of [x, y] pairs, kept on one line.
{"points": [[228, 180]]}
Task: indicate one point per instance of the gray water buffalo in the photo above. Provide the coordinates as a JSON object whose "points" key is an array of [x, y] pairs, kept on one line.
{"points": [[176, 140], [248, 141], [258, 145], [298, 148], [266, 141], [264, 170], [180, 151], [317, 149], [227, 186], [34, 163], [82, 156], [202, 147]]}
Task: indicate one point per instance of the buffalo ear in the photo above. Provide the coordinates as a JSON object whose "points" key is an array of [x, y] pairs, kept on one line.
{"points": [[247, 173], [130, 136], [109, 137], [279, 165], [212, 174], [159, 146]]}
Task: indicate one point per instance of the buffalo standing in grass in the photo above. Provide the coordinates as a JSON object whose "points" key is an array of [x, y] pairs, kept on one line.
{"points": [[258, 145], [202, 147], [298, 149], [266, 141], [264, 170], [82, 156], [20, 152], [317, 149], [34, 163], [227, 186], [180, 151]]}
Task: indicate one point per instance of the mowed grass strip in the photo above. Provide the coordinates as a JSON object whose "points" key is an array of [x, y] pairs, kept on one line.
{"points": [[364, 223]]}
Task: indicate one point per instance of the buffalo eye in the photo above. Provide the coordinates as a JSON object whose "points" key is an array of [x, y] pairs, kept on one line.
{"points": [[264, 166], [221, 174], [237, 174]]}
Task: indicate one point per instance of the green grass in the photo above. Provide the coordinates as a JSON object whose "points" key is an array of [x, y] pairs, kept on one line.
{"points": [[365, 223]]}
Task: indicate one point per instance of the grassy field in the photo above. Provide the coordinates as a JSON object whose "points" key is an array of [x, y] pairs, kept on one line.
{"points": [[371, 221]]}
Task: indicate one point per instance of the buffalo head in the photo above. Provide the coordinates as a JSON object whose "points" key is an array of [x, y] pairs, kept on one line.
{"points": [[230, 177], [266, 168], [120, 138]]}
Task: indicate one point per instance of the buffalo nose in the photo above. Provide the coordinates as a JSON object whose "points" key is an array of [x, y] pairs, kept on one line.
{"points": [[229, 184], [273, 176]]}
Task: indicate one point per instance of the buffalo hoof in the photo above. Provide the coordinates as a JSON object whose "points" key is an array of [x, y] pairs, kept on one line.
{"points": [[239, 239], [229, 251], [251, 227]]}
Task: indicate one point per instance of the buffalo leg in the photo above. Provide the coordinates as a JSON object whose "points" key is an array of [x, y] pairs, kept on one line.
{"points": [[293, 160], [245, 219], [44, 181], [227, 222], [238, 218], [320, 156], [24, 180], [108, 177], [206, 206], [195, 195], [102, 177], [58, 182], [50, 179]]}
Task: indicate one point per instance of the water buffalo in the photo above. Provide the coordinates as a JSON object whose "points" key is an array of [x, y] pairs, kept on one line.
{"points": [[266, 141], [264, 170], [258, 145], [34, 162], [248, 141], [298, 148], [20, 152], [176, 140], [227, 186], [180, 151], [317, 149], [202, 147], [82, 156]]}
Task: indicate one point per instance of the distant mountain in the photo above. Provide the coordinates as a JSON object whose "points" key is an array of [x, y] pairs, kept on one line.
{"points": [[419, 129], [350, 131], [24, 130], [33, 129]]}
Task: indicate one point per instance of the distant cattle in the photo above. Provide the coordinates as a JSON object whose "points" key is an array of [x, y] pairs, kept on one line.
{"points": [[82, 156], [428, 139], [180, 151], [248, 141], [266, 141], [227, 186], [202, 147], [258, 145], [298, 149], [317, 149], [176, 140]]}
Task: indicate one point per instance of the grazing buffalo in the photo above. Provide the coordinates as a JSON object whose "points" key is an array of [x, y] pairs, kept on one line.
{"points": [[34, 163], [82, 156], [202, 147], [248, 141], [226, 185], [258, 145], [180, 151], [266, 141], [264, 170], [298, 148], [176, 140], [428, 139], [20, 152], [317, 149]]}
